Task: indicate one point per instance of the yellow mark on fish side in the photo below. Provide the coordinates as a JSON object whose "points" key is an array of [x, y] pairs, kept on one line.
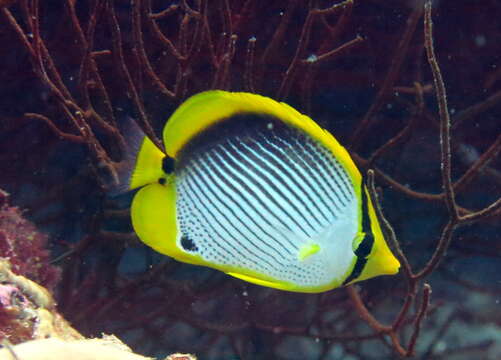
{"points": [[307, 250]]}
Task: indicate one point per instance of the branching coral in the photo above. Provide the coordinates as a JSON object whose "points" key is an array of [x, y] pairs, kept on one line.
{"points": [[105, 60]]}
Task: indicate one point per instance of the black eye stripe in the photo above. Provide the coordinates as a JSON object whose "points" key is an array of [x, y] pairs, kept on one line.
{"points": [[168, 165]]}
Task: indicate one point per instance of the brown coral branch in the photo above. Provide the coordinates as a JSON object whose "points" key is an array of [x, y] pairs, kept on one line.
{"points": [[476, 109], [445, 150], [304, 38], [445, 122], [143, 57], [425, 303], [479, 164], [165, 12], [406, 131], [249, 65], [329, 55], [131, 88], [386, 226], [276, 38], [391, 76], [55, 129], [336, 30], [492, 209]]}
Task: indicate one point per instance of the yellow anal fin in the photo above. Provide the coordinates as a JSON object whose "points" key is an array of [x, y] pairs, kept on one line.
{"points": [[262, 282]]}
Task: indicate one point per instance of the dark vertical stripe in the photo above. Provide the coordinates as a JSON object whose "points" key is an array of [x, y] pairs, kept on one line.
{"points": [[212, 228], [365, 247], [313, 169], [289, 162], [256, 237], [210, 169], [239, 163], [249, 167], [269, 175], [195, 183], [298, 190], [223, 166], [339, 188], [341, 175], [345, 178]]}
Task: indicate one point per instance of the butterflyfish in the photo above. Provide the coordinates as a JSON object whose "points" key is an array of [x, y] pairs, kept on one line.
{"points": [[251, 187]]}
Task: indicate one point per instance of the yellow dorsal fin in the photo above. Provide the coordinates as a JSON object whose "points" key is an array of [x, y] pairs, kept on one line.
{"points": [[207, 108]]}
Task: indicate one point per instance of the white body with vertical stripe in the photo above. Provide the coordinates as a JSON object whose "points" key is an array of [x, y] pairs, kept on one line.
{"points": [[253, 193]]}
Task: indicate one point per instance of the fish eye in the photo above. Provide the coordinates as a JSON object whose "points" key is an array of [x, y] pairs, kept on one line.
{"points": [[161, 181], [167, 164]]}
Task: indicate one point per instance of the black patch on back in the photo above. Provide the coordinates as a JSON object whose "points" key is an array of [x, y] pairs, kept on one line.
{"points": [[365, 246], [245, 126], [188, 244]]}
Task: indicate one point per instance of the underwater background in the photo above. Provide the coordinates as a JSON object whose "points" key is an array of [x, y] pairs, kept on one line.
{"points": [[71, 72]]}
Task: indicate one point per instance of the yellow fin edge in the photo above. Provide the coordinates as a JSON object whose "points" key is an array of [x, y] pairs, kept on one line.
{"points": [[207, 108]]}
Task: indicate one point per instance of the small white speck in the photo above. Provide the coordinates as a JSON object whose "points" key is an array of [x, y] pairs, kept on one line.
{"points": [[71, 78], [252, 38], [497, 301], [397, 93], [317, 340], [389, 106], [269, 126], [441, 346], [480, 40], [453, 111], [281, 13], [245, 293], [312, 58], [30, 35]]}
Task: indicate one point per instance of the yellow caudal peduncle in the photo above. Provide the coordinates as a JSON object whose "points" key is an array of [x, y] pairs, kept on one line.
{"points": [[148, 166]]}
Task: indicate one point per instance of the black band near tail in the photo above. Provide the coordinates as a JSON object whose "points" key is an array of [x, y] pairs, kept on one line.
{"points": [[365, 247]]}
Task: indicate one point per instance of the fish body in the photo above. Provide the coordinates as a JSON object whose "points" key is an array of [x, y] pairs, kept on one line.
{"points": [[253, 188]]}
